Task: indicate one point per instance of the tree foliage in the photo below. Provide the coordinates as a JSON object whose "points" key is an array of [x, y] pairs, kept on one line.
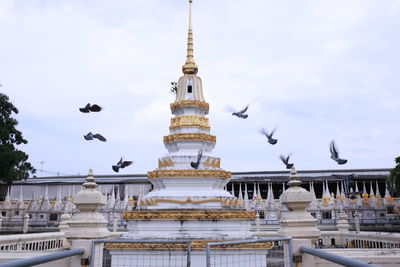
{"points": [[393, 181], [13, 162]]}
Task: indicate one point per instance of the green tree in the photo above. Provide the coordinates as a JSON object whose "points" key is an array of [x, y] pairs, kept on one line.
{"points": [[13, 162], [393, 181]]}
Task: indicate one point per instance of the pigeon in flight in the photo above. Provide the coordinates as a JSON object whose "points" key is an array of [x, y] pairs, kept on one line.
{"points": [[353, 195], [335, 154], [90, 108], [286, 161], [271, 140], [121, 164], [196, 164], [91, 136], [240, 114]]}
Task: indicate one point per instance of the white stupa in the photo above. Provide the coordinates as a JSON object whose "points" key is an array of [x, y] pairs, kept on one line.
{"points": [[189, 201]]}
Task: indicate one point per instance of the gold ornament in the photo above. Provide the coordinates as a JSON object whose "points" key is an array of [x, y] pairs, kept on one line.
{"points": [[189, 121], [189, 215], [194, 244], [190, 104], [189, 174], [165, 162], [190, 137]]}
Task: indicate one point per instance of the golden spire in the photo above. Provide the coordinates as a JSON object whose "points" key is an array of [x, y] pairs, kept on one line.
{"points": [[190, 67]]}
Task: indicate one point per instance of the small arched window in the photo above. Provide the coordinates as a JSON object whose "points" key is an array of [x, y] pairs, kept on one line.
{"points": [[189, 86]]}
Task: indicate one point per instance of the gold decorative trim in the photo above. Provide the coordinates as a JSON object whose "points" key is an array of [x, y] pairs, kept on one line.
{"points": [[189, 174], [190, 104], [189, 121], [190, 137], [232, 203], [216, 163], [194, 244], [165, 162], [201, 245], [212, 162], [189, 215], [145, 246]]}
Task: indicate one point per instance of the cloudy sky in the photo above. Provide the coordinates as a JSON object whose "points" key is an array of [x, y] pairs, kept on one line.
{"points": [[315, 70]]}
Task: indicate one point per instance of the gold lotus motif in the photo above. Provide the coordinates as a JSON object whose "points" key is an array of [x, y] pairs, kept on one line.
{"points": [[212, 162], [190, 137], [165, 162], [190, 104], [194, 244], [189, 215], [189, 121], [189, 174]]}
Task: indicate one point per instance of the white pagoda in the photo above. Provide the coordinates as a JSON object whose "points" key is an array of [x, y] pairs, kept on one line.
{"points": [[189, 201]]}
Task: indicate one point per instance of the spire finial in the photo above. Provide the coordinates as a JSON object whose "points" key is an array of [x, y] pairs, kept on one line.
{"points": [[190, 66], [293, 179]]}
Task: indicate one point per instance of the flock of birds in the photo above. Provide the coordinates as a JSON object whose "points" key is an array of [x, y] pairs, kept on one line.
{"points": [[90, 136], [195, 164], [285, 159]]}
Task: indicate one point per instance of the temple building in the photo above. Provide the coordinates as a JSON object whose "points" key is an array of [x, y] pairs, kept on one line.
{"points": [[191, 212]]}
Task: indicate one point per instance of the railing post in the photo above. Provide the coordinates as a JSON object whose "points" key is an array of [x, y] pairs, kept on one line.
{"points": [[188, 253], [357, 221], [208, 255], [26, 222], [96, 255], [257, 222], [287, 253], [115, 222]]}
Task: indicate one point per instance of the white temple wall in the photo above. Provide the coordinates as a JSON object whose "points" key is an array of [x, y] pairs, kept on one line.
{"points": [[68, 189]]}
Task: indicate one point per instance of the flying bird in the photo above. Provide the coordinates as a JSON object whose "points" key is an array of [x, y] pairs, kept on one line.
{"points": [[353, 195], [90, 108], [239, 114], [91, 136], [285, 161], [271, 140], [196, 164], [335, 154], [121, 164]]}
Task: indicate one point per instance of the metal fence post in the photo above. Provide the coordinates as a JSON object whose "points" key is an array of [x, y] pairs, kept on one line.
{"points": [[188, 253], [208, 255], [290, 253]]}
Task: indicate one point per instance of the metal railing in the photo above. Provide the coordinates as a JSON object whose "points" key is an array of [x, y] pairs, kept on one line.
{"points": [[271, 252], [33, 242], [43, 259], [126, 252], [376, 240], [335, 258]]}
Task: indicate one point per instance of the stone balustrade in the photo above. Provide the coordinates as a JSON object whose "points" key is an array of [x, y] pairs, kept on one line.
{"points": [[377, 240], [33, 242]]}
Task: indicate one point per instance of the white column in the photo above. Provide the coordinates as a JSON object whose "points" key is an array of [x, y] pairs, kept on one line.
{"points": [[357, 221], [115, 222], [26, 222]]}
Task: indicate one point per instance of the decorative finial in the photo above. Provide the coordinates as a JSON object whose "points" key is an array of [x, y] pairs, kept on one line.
{"points": [[190, 66], [90, 181], [294, 180]]}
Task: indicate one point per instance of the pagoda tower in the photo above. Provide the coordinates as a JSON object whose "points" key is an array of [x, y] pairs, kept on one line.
{"points": [[188, 199], [176, 183]]}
